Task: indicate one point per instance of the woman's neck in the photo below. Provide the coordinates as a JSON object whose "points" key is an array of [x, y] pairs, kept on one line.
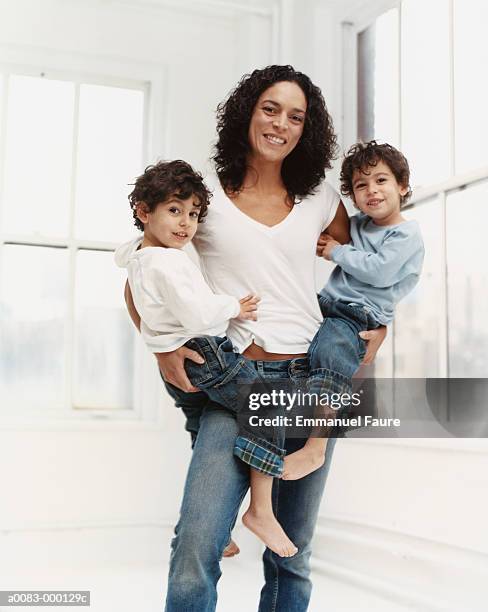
{"points": [[263, 178]]}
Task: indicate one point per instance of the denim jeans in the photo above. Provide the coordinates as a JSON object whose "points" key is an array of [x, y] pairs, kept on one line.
{"points": [[215, 487], [337, 350], [226, 378]]}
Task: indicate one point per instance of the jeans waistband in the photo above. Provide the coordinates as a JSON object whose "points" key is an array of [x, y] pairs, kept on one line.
{"points": [[282, 366]]}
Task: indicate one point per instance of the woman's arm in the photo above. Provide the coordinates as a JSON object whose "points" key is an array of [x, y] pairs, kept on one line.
{"points": [[171, 364], [129, 302], [339, 227]]}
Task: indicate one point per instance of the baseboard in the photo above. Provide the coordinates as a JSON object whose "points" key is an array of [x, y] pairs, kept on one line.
{"points": [[428, 575]]}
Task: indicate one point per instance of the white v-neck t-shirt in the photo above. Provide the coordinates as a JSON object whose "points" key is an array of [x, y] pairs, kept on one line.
{"points": [[239, 256]]}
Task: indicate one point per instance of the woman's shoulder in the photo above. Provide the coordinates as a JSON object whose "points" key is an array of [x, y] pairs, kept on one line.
{"points": [[323, 195], [323, 203]]}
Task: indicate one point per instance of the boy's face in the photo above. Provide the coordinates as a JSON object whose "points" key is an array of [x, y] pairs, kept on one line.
{"points": [[377, 193], [171, 224]]}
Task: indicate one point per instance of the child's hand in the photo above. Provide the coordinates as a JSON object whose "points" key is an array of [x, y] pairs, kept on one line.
{"points": [[249, 306], [320, 244], [328, 245]]}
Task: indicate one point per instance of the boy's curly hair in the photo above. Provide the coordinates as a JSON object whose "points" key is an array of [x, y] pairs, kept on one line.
{"points": [[363, 155], [164, 180], [304, 168]]}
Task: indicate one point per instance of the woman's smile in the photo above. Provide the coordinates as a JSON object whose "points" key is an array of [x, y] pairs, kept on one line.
{"points": [[275, 140]]}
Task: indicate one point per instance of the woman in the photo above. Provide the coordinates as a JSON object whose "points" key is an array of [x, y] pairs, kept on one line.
{"points": [[270, 204]]}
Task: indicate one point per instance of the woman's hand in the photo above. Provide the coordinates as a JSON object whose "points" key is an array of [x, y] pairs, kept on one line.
{"points": [[374, 339], [172, 367]]}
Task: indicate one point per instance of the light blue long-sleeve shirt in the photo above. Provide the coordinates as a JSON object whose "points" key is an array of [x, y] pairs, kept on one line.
{"points": [[378, 268]]}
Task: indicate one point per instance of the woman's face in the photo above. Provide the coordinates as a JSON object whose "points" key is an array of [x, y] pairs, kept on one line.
{"points": [[277, 122]]}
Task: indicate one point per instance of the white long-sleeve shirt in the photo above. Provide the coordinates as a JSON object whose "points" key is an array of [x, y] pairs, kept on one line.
{"points": [[171, 296]]}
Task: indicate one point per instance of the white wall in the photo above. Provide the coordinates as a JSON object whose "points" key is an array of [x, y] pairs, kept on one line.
{"points": [[119, 476]]}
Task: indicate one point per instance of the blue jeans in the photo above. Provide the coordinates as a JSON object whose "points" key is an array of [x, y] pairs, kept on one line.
{"points": [[227, 378], [337, 350], [215, 487]]}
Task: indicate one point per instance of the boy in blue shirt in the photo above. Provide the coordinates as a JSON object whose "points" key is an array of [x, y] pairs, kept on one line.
{"points": [[380, 265]]}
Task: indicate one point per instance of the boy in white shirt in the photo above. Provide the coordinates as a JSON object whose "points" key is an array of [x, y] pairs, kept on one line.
{"points": [[177, 308]]}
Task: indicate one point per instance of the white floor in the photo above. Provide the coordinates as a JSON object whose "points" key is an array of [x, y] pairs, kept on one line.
{"points": [[141, 589]]}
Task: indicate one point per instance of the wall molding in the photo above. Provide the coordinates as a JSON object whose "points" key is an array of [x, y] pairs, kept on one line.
{"points": [[430, 575], [220, 8]]}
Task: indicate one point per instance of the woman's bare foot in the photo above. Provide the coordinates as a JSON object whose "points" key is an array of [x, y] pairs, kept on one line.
{"points": [[301, 463], [231, 550], [267, 528]]}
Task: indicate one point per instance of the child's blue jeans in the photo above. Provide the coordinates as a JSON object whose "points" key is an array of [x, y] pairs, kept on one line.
{"points": [[226, 377], [334, 356], [337, 350]]}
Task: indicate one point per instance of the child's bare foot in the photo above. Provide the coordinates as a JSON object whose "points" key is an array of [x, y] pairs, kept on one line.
{"points": [[267, 528], [301, 463], [231, 550]]}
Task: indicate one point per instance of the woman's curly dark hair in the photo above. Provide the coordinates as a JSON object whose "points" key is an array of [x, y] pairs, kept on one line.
{"points": [[304, 168], [363, 155], [165, 179]]}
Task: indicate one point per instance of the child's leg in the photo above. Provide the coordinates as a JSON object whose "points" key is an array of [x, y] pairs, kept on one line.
{"points": [[334, 356], [260, 519], [227, 378], [306, 460], [221, 376]]}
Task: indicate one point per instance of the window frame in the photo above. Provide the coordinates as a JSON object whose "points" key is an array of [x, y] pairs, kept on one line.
{"points": [[150, 78], [350, 32]]}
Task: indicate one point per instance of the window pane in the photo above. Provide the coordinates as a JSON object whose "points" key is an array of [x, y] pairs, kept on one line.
{"points": [[104, 339], [386, 79], [425, 89], [417, 321], [467, 217], [365, 93], [109, 157], [471, 93], [38, 156], [33, 303]]}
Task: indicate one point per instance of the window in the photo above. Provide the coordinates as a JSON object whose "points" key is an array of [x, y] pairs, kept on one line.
{"points": [[416, 89], [69, 148]]}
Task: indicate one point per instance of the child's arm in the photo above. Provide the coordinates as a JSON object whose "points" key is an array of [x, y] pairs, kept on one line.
{"points": [[171, 364], [380, 269], [177, 284]]}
